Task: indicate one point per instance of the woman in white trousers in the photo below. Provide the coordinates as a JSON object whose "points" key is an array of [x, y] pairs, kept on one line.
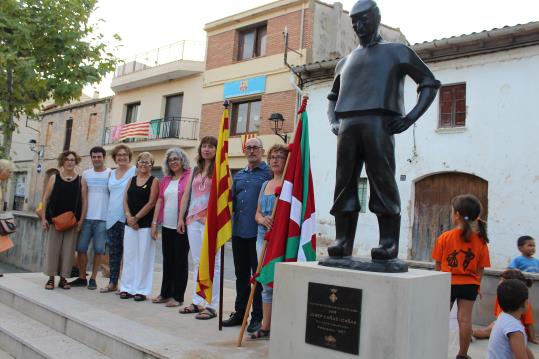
{"points": [[193, 213], [139, 247]]}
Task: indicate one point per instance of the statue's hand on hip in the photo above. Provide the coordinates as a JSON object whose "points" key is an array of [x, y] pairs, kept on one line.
{"points": [[399, 124], [335, 127]]}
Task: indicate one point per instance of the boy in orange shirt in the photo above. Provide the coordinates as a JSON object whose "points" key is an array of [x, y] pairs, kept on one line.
{"points": [[526, 318]]}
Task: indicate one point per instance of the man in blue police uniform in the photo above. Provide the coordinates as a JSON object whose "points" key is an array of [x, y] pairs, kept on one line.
{"points": [[245, 191]]}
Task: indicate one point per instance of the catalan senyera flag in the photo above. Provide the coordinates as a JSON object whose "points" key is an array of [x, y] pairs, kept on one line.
{"points": [[135, 130], [293, 235], [218, 228]]}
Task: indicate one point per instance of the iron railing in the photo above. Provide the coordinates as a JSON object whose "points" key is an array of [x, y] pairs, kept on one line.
{"points": [[183, 128], [181, 50]]}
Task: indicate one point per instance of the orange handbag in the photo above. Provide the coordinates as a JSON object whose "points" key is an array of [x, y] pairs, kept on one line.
{"points": [[64, 221]]}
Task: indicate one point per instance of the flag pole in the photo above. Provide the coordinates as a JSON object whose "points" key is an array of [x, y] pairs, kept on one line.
{"points": [[221, 287], [259, 266], [221, 274]]}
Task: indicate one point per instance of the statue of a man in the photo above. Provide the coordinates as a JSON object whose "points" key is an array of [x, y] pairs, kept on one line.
{"points": [[366, 108]]}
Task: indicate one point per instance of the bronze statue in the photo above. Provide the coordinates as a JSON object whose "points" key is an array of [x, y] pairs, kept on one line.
{"points": [[366, 108]]}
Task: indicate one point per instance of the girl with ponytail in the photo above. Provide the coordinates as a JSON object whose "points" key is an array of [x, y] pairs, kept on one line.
{"points": [[463, 252]]}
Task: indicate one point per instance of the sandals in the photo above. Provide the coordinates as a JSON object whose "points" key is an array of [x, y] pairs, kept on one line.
{"points": [[206, 314], [64, 284], [140, 298], [50, 284], [260, 334], [160, 300], [108, 289], [125, 295], [191, 309], [173, 303]]}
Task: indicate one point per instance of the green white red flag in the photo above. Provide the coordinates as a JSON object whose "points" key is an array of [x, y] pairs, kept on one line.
{"points": [[293, 235]]}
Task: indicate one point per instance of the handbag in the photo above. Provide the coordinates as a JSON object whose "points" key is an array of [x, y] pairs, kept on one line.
{"points": [[7, 226], [66, 220]]}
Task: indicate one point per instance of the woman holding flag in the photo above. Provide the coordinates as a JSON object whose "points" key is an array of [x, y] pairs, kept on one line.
{"points": [[277, 158], [193, 214]]}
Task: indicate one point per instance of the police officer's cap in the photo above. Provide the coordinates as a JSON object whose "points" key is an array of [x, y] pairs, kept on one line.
{"points": [[362, 6]]}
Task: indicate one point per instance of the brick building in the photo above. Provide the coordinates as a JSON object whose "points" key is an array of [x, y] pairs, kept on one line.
{"points": [[77, 127], [245, 63]]}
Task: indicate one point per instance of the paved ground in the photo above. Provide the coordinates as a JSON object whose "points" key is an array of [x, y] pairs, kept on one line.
{"points": [[170, 321]]}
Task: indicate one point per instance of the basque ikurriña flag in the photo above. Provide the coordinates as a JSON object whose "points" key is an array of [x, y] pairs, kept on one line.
{"points": [[218, 228], [293, 236]]}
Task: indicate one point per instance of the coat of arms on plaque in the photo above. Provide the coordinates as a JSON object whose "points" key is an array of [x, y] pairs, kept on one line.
{"points": [[333, 295]]}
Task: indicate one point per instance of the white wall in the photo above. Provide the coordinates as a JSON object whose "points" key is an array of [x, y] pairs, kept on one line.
{"points": [[152, 100], [498, 144]]}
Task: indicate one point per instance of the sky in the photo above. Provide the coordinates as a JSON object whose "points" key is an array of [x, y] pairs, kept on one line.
{"points": [[144, 25]]}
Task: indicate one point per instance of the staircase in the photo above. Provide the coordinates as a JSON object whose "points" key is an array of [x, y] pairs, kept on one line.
{"points": [[38, 323]]}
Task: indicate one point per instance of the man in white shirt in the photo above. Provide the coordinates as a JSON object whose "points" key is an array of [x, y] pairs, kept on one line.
{"points": [[95, 190]]}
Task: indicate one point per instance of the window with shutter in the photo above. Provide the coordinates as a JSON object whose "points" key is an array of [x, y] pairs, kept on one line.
{"points": [[452, 106]]}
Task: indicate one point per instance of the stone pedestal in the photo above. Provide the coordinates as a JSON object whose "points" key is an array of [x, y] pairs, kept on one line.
{"points": [[401, 316]]}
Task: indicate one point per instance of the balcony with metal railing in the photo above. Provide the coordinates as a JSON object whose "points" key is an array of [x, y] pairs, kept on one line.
{"points": [[180, 59], [162, 133]]}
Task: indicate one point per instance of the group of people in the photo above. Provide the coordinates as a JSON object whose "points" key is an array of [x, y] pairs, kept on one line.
{"points": [[463, 252], [123, 210]]}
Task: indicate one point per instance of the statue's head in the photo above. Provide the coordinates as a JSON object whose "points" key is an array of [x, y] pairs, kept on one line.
{"points": [[366, 18]]}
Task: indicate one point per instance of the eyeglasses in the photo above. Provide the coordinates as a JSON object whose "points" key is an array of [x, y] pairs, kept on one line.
{"points": [[252, 148], [145, 163], [173, 160], [277, 158], [122, 155]]}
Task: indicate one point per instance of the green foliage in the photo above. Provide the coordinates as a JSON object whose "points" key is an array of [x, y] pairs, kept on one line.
{"points": [[51, 51]]}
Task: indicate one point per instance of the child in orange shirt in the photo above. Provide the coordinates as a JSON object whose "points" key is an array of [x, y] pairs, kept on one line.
{"points": [[526, 318], [463, 252]]}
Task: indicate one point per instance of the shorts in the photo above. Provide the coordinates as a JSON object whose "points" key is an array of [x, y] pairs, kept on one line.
{"points": [[464, 291], [96, 230]]}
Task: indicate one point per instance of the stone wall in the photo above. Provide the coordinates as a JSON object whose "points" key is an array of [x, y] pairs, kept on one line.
{"points": [[483, 313], [30, 243]]}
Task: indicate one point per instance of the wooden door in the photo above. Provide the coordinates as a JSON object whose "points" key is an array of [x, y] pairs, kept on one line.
{"points": [[432, 207]]}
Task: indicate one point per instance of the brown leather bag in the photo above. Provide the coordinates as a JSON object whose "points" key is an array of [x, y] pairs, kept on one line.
{"points": [[64, 221]]}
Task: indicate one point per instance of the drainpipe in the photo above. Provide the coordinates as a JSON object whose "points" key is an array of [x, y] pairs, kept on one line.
{"points": [[105, 117]]}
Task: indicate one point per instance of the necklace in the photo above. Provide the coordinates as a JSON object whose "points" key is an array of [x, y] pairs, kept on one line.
{"points": [[69, 178], [202, 185]]}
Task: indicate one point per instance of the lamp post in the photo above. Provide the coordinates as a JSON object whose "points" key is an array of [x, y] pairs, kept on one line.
{"points": [[34, 147], [278, 121]]}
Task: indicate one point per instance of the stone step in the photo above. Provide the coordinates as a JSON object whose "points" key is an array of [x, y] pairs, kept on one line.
{"points": [[25, 338], [101, 330]]}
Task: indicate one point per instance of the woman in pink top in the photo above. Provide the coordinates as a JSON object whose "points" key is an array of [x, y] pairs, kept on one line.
{"points": [[175, 245], [195, 205]]}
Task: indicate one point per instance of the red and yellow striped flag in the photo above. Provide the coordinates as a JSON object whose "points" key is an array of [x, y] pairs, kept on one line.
{"points": [[218, 228]]}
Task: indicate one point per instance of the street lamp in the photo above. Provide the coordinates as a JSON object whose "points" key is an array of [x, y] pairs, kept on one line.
{"points": [[34, 147], [278, 121]]}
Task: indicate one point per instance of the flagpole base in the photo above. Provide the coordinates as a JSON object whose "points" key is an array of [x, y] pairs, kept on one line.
{"points": [[364, 264]]}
